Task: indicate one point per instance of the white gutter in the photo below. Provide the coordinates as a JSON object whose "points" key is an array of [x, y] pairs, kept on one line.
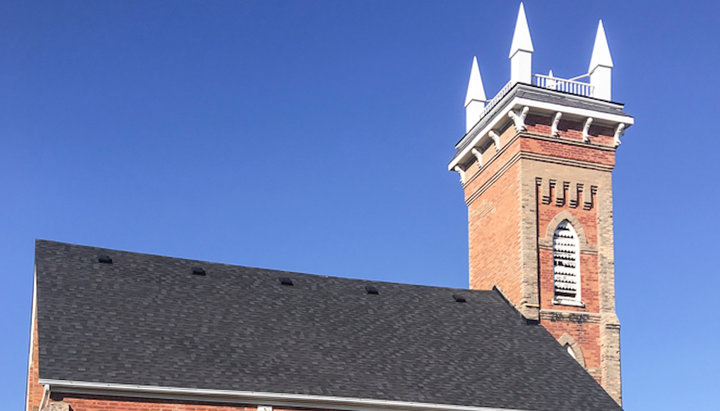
{"points": [[252, 397], [46, 394], [581, 112]]}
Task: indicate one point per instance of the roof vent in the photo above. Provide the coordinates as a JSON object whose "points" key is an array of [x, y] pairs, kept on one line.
{"points": [[459, 298], [104, 259], [285, 281], [371, 290], [198, 270]]}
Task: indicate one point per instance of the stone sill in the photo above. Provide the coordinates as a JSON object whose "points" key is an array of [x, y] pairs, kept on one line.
{"points": [[573, 303]]}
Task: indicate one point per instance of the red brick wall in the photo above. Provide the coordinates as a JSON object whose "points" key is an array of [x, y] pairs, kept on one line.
{"points": [[101, 403], [589, 281], [495, 219], [587, 335], [105, 403], [568, 151], [34, 390], [571, 130], [590, 293], [494, 236]]}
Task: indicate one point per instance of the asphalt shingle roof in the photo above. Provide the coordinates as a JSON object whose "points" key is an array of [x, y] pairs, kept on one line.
{"points": [[147, 320]]}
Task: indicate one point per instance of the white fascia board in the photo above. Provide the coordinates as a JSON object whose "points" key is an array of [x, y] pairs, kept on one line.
{"points": [[251, 397], [534, 105], [580, 112]]}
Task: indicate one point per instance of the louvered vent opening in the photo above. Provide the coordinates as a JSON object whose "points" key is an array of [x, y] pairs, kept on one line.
{"points": [[459, 298], [104, 259], [566, 262], [372, 290]]}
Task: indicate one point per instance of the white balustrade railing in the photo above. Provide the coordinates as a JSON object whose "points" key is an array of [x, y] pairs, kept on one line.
{"points": [[492, 102], [559, 84]]}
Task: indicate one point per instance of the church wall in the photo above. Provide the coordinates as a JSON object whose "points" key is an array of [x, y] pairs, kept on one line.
{"points": [[585, 330], [590, 293], [495, 237], [515, 201], [34, 390], [570, 129], [578, 187], [106, 403], [494, 222]]}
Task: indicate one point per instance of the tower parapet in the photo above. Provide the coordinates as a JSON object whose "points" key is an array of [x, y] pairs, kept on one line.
{"points": [[536, 167]]}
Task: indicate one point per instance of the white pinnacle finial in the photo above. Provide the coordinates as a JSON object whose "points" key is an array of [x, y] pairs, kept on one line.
{"points": [[475, 97], [550, 83], [521, 51], [601, 65], [475, 90], [521, 38], [601, 51]]}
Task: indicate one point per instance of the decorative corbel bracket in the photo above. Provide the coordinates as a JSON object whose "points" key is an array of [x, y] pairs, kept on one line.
{"points": [[619, 131], [460, 171], [586, 130], [556, 121], [496, 139], [477, 155], [519, 119]]}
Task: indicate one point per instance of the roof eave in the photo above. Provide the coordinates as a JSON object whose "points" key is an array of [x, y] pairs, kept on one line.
{"points": [[479, 133], [251, 397]]}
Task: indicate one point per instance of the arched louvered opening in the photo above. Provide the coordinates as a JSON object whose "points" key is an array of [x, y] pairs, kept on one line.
{"points": [[566, 264], [570, 350]]}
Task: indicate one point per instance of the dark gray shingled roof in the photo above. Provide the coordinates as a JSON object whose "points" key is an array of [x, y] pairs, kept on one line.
{"points": [[147, 320]]}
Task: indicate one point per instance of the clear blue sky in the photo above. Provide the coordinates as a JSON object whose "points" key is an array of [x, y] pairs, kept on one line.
{"points": [[314, 137]]}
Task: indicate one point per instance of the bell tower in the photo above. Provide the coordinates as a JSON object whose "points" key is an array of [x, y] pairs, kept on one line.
{"points": [[536, 168]]}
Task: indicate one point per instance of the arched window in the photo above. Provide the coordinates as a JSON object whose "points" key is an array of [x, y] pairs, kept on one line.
{"points": [[566, 265], [570, 350]]}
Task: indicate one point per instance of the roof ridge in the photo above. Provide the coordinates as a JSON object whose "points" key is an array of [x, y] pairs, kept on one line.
{"points": [[278, 271]]}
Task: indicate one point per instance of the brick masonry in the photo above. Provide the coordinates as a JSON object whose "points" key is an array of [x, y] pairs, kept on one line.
{"points": [[105, 403], [34, 390], [515, 202]]}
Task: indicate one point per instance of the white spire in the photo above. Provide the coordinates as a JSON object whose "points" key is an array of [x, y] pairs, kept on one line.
{"points": [[475, 97], [521, 38], [601, 66], [521, 51], [475, 90], [601, 51]]}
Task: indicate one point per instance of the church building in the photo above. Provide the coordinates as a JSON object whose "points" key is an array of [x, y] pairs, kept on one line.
{"points": [[536, 330]]}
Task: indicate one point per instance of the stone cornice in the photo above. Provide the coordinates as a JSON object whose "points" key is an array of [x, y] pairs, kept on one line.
{"points": [[539, 101]]}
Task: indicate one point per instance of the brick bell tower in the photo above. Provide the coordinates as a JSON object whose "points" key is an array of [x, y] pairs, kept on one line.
{"points": [[536, 167]]}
